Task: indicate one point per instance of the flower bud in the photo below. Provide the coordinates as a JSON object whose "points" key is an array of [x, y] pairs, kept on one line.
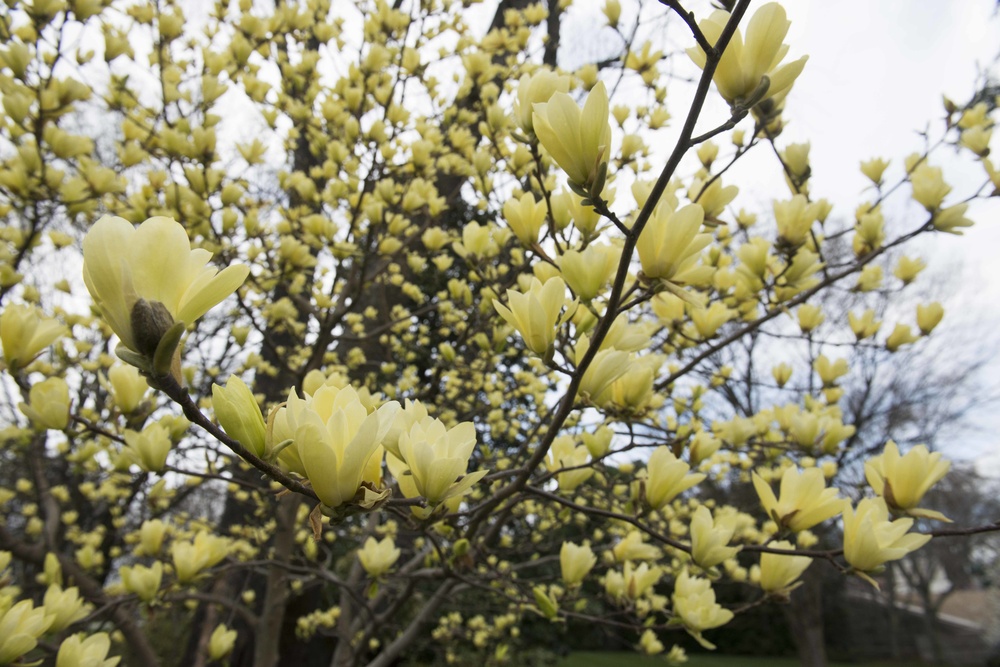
{"points": [[929, 316], [221, 643], [238, 413], [128, 387], [576, 562]]}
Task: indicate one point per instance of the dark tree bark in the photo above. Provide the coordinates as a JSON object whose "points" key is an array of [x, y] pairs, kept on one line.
{"points": [[804, 614]]}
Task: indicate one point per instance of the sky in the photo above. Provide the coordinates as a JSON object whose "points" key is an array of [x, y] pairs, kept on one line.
{"points": [[877, 71]]}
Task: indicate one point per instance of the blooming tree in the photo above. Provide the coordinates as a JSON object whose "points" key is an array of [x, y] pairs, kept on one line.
{"points": [[382, 320]]}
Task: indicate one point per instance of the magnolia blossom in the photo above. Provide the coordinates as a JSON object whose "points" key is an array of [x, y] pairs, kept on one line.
{"points": [[146, 279], [695, 606], [238, 413], [378, 556], [535, 313], [20, 627], [778, 572], [190, 558], [82, 651], [871, 539], [438, 458], [576, 562], [710, 537], [143, 581], [525, 217], [903, 480], [24, 333], [221, 643], [579, 140], [750, 69], [667, 476], [804, 502], [335, 443], [670, 243], [536, 88]]}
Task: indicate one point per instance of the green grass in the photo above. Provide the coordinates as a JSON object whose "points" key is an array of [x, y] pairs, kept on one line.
{"points": [[607, 659]]}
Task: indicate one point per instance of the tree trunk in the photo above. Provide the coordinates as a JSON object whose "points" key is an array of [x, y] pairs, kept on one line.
{"points": [[805, 619], [267, 643]]}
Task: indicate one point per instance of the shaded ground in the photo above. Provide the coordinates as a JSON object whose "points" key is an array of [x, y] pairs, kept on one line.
{"points": [[611, 659]]}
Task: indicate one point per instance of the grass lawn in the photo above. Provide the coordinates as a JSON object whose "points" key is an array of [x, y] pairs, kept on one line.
{"points": [[600, 659]]}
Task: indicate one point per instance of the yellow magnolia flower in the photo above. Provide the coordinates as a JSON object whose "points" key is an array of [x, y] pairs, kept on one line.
{"points": [[48, 404], [805, 501], [190, 558], [952, 219], [710, 537], [870, 539], [565, 453], [81, 651], [147, 280], [377, 556], [901, 335], [874, 169], [632, 547], [334, 440], [795, 219], [702, 446], [903, 480], [864, 325], [576, 562], [613, 11], [778, 573], [782, 373], [65, 606], [579, 140], [20, 627], [750, 70], [535, 313], [221, 643], [695, 606], [588, 272], [128, 387], [525, 217], [438, 458], [151, 535], [536, 88], [413, 412], [830, 371], [670, 243], [666, 477], [632, 582], [929, 316], [143, 581], [929, 187], [24, 333], [649, 643], [240, 416], [907, 269], [149, 448]]}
